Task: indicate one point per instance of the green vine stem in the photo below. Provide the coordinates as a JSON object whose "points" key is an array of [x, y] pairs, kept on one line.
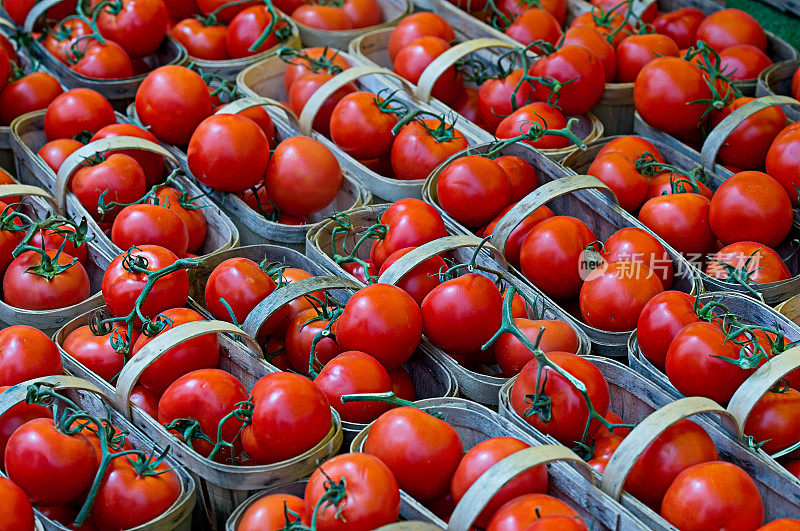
{"points": [[710, 61], [190, 430], [344, 227], [321, 65], [151, 197], [48, 266]]}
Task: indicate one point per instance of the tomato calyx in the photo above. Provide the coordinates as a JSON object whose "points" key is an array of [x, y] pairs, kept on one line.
{"points": [[321, 65], [190, 430], [344, 227], [605, 18], [151, 197], [444, 132], [740, 275], [714, 75], [648, 166], [384, 104], [74, 54], [387, 398], [226, 91]]}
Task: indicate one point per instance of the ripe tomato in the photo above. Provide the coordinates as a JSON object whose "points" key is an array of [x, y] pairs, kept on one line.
{"points": [[55, 152], [694, 367], [542, 115], [775, 420], [172, 101], [24, 288], [618, 172], [54, 238], [270, 513], [127, 500], [421, 279], [569, 413], [106, 60], [200, 40], [715, 495], [680, 446], [606, 25], [322, 17], [583, 71], [783, 524], [118, 178], [410, 223], [635, 51], [242, 284], [16, 513], [753, 206], [414, 26], [303, 176], [518, 235], [552, 252], [51, 467], [533, 25], [413, 58], [422, 451], [145, 224], [416, 151], [782, 161], [660, 321], [680, 25], [121, 287], [152, 163], [372, 495], [96, 352], [462, 314], [205, 395], [638, 245], [190, 213], [299, 65], [499, 97], [664, 91], [246, 28], [526, 510], [481, 458], [354, 372], [27, 353], [29, 93], [746, 146], [631, 146], [729, 27], [521, 174], [743, 61], [138, 26], [299, 338], [360, 128], [590, 39], [75, 111], [15, 417], [381, 320], [199, 353], [681, 220], [764, 266], [291, 416], [473, 189], [302, 90], [512, 355]]}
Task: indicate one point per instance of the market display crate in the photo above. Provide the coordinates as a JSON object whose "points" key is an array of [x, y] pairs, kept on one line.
{"points": [[776, 80]]}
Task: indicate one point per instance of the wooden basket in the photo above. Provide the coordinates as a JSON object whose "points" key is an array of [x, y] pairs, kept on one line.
{"points": [[773, 292], [253, 227], [576, 196], [48, 321], [431, 377], [479, 386], [373, 47], [230, 68], [746, 308], [95, 400], [28, 137], [635, 398], [776, 80], [475, 423], [392, 11], [265, 79], [222, 486], [117, 91]]}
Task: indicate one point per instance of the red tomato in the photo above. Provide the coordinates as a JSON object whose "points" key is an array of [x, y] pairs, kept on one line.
{"points": [[421, 279], [354, 372], [16, 513], [381, 320], [190, 213], [152, 163], [518, 235], [119, 178], [521, 173], [413, 58], [743, 61], [242, 284], [680, 25], [473, 189], [224, 15], [589, 38], [145, 224], [106, 60], [290, 417], [681, 220], [782, 161], [15, 417], [416, 152], [715, 495], [694, 367], [300, 66], [422, 451], [747, 145], [146, 400], [360, 127], [526, 510], [606, 25], [172, 101], [660, 321], [76, 111], [584, 72], [753, 206], [54, 238], [299, 338], [200, 40], [27, 353], [409, 223], [246, 28], [372, 495], [729, 27], [634, 147], [269, 513], [138, 26], [765, 265], [302, 90], [481, 458], [363, 13], [96, 352], [618, 172], [418, 25], [512, 355], [205, 395], [499, 97], [552, 252], [569, 412], [402, 384], [303, 176], [462, 314], [543, 115], [24, 288], [775, 420], [121, 287], [638, 245], [680, 446], [635, 51], [51, 467], [322, 17], [55, 152], [533, 25], [29, 93]]}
